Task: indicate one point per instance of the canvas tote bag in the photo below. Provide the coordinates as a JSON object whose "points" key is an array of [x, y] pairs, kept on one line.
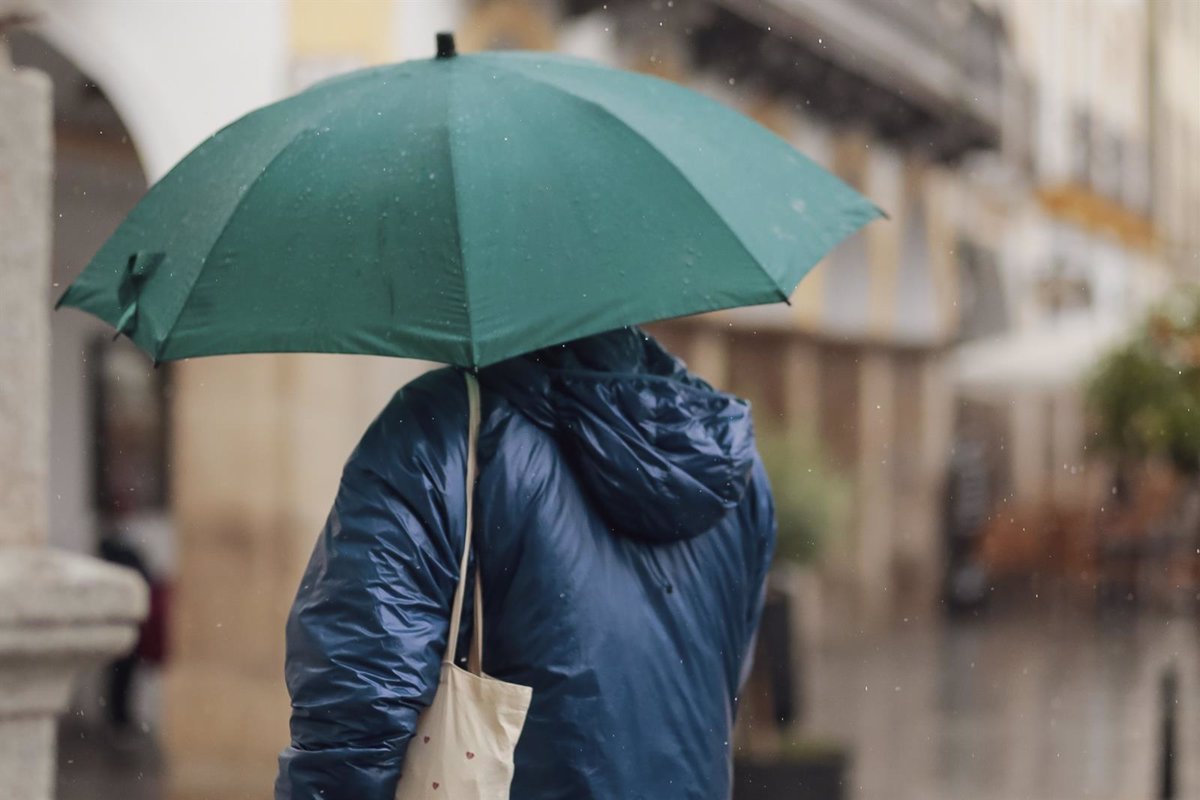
{"points": [[463, 747]]}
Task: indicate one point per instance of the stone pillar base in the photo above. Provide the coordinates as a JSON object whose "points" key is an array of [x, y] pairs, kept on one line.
{"points": [[59, 613]]}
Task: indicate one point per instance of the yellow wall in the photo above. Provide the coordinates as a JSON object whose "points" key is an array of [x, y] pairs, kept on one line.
{"points": [[324, 28]]}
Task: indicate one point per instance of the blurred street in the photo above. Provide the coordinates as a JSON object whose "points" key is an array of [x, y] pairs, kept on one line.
{"points": [[1010, 709], [1000, 709], [94, 764]]}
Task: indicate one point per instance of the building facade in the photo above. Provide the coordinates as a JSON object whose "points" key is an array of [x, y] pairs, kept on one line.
{"points": [[1035, 165], [1094, 233]]}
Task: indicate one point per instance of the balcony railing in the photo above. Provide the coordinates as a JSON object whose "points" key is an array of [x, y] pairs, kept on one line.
{"points": [[929, 73], [942, 56]]}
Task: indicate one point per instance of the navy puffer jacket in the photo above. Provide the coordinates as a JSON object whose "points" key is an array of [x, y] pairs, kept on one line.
{"points": [[623, 529]]}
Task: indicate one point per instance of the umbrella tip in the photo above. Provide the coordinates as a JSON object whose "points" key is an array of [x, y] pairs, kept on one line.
{"points": [[445, 45]]}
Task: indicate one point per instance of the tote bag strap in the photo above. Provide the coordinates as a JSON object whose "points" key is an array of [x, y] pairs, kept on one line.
{"points": [[475, 654]]}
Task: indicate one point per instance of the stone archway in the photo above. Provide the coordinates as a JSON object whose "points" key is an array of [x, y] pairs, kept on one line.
{"points": [[174, 73], [257, 440], [107, 413], [97, 178], [59, 612], [177, 71]]}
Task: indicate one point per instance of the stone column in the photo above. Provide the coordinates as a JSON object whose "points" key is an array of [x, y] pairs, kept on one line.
{"points": [[876, 547], [58, 612], [710, 355], [802, 387], [1027, 445], [1068, 439]]}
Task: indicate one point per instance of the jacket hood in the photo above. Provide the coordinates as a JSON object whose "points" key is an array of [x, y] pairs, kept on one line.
{"points": [[663, 454]]}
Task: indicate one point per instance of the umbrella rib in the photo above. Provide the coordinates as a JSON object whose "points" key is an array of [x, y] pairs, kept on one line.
{"points": [[158, 346], [783, 295], [472, 353]]}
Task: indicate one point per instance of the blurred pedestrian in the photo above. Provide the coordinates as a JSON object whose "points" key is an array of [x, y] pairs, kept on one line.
{"points": [[623, 527], [118, 696]]}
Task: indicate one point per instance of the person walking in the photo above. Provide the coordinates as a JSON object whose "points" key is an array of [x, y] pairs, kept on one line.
{"points": [[623, 526], [624, 522], [122, 672]]}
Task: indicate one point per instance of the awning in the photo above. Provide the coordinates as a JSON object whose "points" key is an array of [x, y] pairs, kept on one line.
{"points": [[1046, 358]]}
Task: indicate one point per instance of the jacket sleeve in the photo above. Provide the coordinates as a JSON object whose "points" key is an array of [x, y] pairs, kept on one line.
{"points": [[762, 525], [368, 628]]}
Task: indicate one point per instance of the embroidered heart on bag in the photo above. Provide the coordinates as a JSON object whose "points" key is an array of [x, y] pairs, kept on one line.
{"points": [[436, 784], [426, 740], [470, 755]]}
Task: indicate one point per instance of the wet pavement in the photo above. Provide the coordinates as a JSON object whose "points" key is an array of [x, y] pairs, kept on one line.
{"points": [[1012, 709], [1004, 709], [94, 763]]}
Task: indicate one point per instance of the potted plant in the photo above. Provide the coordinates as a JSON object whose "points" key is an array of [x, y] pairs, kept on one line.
{"points": [[1144, 398], [812, 500], [802, 769], [812, 505], [1145, 395]]}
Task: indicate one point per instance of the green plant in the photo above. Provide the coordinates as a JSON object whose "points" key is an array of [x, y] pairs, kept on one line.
{"points": [[812, 501], [1145, 395], [810, 748]]}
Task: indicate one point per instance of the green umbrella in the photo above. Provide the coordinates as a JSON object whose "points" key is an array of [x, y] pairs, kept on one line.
{"points": [[464, 209]]}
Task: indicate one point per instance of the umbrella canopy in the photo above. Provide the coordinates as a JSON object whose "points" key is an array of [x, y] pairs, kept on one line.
{"points": [[464, 209]]}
